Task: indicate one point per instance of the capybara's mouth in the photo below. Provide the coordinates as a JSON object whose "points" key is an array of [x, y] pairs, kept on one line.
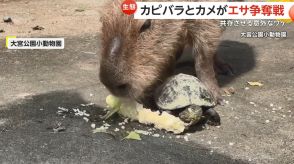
{"points": [[148, 100]]}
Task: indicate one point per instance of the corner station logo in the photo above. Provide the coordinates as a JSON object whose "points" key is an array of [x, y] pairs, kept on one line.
{"points": [[129, 7]]}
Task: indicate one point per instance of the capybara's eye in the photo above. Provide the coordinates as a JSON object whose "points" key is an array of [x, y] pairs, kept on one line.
{"points": [[146, 25]]}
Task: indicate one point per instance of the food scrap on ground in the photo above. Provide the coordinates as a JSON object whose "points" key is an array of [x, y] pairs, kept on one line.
{"points": [[101, 129], [255, 83], [135, 111]]}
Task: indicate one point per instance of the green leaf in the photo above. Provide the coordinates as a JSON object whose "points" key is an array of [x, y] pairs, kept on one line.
{"points": [[133, 136]]}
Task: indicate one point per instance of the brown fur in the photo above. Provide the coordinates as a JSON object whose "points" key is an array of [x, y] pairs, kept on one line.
{"points": [[144, 60]]}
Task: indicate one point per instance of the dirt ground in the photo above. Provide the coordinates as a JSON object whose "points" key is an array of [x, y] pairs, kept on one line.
{"points": [[59, 18], [257, 122]]}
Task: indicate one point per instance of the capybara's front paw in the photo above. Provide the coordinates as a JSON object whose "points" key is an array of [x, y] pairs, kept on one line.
{"points": [[217, 95], [215, 91]]}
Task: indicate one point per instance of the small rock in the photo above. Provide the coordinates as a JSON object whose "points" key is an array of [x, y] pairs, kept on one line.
{"points": [[186, 138], [7, 19], [122, 127], [267, 121], [246, 88], [116, 129], [209, 142], [231, 143], [271, 105]]}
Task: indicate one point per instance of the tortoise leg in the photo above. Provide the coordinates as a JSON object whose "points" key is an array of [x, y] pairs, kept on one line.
{"points": [[191, 114], [212, 117]]}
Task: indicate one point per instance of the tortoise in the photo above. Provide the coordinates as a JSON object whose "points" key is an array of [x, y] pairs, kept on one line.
{"points": [[186, 95]]}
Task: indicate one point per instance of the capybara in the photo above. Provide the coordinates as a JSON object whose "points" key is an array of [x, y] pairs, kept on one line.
{"points": [[138, 55]]}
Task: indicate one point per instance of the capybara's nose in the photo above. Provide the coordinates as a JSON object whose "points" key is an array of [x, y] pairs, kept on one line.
{"points": [[119, 89], [122, 86], [114, 80]]}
